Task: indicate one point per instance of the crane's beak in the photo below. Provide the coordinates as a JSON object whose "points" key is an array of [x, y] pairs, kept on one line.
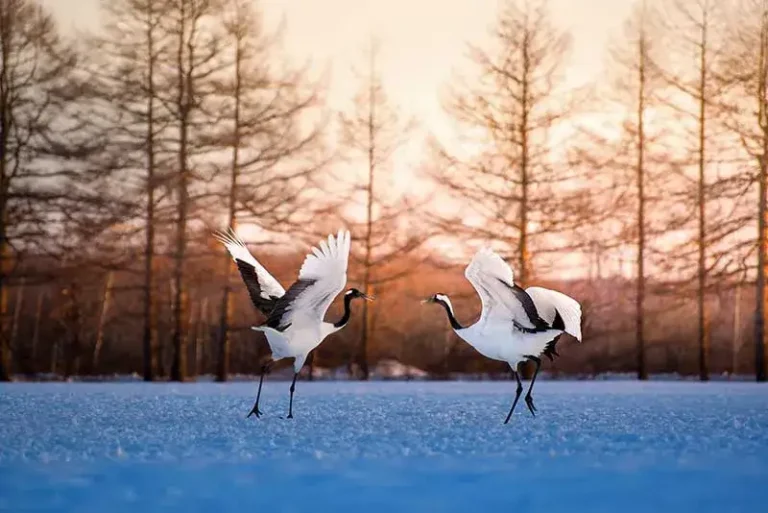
{"points": [[368, 298], [428, 300]]}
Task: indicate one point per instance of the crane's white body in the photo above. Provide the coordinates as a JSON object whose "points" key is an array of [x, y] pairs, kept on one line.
{"points": [[296, 342], [506, 343], [496, 335]]}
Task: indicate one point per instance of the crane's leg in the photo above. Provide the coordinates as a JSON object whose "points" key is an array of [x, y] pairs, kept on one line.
{"points": [[293, 387], [264, 370], [528, 398], [517, 396]]}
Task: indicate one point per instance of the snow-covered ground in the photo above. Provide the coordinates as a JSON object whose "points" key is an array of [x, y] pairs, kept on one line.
{"points": [[384, 446]]}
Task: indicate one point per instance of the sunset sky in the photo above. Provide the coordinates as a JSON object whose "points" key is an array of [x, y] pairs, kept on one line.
{"points": [[422, 41], [423, 44]]}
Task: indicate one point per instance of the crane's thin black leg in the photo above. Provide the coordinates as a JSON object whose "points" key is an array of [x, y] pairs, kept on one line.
{"points": [[517, 396], [264, 370], [290, 404], [528, 398]]}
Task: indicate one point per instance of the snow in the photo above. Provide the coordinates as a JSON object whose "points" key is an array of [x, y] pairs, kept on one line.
{"points": [[383, 446], [393, 369]]}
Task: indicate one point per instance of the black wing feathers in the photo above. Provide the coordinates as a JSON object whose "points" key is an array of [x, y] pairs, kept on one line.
{"points": [[282, 305], [251, 280], [530, 310]]}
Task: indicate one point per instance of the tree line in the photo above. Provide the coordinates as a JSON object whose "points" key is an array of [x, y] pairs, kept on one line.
{"points": [[121, 150]]}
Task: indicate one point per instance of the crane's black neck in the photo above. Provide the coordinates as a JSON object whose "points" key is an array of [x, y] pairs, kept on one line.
{"points": [[345, 317], [451, 318]]}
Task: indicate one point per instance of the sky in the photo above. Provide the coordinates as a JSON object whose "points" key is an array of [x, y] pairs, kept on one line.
{"points": [[423, 43]]}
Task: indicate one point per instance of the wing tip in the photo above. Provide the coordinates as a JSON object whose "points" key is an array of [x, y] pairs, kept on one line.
{"points": [[228, 237]]}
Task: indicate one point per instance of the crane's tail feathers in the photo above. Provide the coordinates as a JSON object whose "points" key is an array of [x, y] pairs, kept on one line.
{"points": [[550, 350], [557, 308]]}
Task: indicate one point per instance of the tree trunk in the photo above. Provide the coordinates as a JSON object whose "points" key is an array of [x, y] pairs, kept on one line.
{"points": [[760, 282], [54, 355], [762, 240], [18, 304], [366, 325], [5, 126], [523, 271], [200, 335], [642, 372], [179, 338], [193, 319], [102, 320], [222, 370], [73, 319], [736, 343], [311, 366], [702, 271], [36, 328], [6, 370], [149, 337], [523, 268], [6, 362]]}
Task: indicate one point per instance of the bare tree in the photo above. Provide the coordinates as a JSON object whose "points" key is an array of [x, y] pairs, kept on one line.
{"points": [[275, 147], [186, 89], [374, 130], [694, 32], [746, 72], [39, 143], [149, 342], [636, 82], [124, 79], [516, 184], [642, 96], [762, 211], [520, 192]]}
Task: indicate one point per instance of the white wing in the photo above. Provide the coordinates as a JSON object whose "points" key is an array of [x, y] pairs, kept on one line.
{"points": [[503, 301], [549, 302], [322, 276], [267, 285]]}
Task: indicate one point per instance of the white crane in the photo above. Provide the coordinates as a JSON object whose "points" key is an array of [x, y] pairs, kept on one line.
{"points": [[295, 324], [515, 324]]}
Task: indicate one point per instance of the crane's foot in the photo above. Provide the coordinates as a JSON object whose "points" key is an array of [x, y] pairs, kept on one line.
{"points": [[531, 406], [255, 411]]}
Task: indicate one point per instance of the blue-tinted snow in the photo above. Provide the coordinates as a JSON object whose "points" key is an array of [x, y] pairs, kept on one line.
{"points": [[595, 446]]}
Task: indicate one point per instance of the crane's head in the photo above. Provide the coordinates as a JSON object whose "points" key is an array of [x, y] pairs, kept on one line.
{"points": [[354, 293]]}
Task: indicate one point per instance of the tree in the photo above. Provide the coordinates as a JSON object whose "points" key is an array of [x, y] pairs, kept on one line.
{"points": [[275, 148], [374, 130], [124, 72], [516, 185], [746, 72], [694, 32], [521, 192], [636, 81], [41, 144], [186, 91]]}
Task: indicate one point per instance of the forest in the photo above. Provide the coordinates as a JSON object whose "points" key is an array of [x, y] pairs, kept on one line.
{"points": [[641, 194]]}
